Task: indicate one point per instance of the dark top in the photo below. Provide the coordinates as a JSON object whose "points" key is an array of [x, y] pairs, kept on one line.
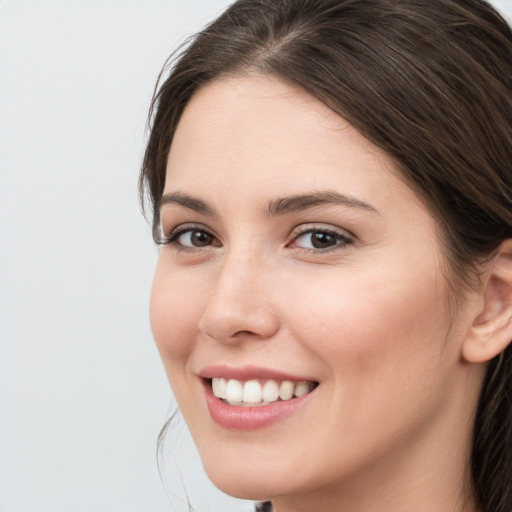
{"points": [[264, 506]]}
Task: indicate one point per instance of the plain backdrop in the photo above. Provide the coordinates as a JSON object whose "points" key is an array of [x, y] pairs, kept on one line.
{"points": [[82, 391]]}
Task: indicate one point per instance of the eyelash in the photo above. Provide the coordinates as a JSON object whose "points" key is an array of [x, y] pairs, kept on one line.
{"points": [[173, 237], [342, 240]]}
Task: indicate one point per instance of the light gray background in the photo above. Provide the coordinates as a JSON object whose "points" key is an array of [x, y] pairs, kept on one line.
{"points": [[82, 391]]}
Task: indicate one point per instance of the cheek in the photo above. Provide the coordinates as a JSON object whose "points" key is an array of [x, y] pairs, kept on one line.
{"points": [[361, 323], [382, 349], [175, 310]]}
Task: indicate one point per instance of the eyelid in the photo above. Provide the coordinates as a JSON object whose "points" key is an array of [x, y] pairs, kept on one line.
{"points": [[301, 230], [173, 235]]}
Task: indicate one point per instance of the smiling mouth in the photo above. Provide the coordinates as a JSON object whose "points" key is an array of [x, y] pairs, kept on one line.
{"points": [[257, 393]]}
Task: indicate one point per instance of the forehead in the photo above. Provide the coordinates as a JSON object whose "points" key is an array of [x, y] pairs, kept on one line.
{"points": [[248, 139]]}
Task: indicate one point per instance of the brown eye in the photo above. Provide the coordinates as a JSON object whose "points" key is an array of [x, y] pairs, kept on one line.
{"points": [[194, 238], [321, 239]]}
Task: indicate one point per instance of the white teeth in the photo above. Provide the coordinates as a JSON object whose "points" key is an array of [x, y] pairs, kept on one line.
{"points": [[301, 388], [270, 391], [286, 390], [219, 387], [234, 391], [251, 393], [222, 388], [215, 387]]}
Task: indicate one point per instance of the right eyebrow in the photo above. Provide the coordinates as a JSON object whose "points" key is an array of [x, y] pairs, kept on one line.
{"points": [[300, 202], [192, 203]]}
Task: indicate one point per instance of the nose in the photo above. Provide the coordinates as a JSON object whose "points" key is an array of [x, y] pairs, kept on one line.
{"points": [[239, 306]]}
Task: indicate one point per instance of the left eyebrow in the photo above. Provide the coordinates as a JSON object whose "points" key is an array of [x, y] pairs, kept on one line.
{"points": [[190, 202], [299, 202]]}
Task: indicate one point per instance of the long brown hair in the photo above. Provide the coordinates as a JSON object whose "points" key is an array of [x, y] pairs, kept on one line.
{"points": [[430, 82]]}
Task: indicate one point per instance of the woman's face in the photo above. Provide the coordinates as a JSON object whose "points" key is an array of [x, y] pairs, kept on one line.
{"points": [[296, 254]]}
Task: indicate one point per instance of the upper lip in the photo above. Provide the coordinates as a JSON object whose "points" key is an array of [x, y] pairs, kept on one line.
{"points": [[247, 373]]}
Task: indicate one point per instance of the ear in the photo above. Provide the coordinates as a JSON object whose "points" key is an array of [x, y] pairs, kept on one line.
{"points": [[491, 331]]}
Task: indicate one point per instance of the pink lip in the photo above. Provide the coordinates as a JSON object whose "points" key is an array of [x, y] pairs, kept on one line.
{"points": [[249, 418], [247, 373]]}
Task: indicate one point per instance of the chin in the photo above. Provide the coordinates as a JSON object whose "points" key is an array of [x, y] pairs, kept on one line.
{"points": [[249, 490], [259, 481], [254, 483]]}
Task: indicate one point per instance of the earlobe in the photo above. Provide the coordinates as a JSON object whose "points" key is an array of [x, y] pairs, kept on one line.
{"points": [[491, 331]]}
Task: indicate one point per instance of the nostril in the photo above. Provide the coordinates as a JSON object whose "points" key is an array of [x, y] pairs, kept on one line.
{"points": [[245, 333]]}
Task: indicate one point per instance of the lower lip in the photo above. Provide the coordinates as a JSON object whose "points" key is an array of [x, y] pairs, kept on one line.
{"points": [[250, 418]]}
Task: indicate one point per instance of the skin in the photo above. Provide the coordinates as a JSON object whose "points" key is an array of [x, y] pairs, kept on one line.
{"points": [[368, 318]]}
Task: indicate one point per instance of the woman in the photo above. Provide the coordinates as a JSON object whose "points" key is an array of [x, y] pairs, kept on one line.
{"points": [[331, 186]]}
